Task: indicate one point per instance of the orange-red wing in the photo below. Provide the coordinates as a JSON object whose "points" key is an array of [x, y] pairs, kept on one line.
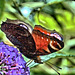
{"points": [[45, 44], [41, 42], [42, 29]]}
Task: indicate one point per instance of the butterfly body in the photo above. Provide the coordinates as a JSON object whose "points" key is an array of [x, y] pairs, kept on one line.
{"points": [[32, 42]]}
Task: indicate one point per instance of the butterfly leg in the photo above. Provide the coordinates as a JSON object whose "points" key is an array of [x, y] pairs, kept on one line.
{"points": [[29, 62]]}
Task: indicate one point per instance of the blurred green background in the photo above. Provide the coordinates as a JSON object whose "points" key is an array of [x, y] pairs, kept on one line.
{"points": [[51, 14]]}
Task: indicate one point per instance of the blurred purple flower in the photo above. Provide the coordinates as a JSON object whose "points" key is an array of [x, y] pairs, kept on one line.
{"points": [[11, 61]]}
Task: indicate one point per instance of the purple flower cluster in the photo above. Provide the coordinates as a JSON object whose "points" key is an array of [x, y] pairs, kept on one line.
{"points": [[11, 61]]}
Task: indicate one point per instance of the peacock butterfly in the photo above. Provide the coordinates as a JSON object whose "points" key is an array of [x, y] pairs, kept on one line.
{"points": [[32, 42]]}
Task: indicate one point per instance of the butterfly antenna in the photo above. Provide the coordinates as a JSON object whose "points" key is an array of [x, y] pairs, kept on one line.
{"points": [[55, 65], [53, 68]]}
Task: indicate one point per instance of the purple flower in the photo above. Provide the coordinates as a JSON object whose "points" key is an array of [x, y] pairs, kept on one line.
{"points": [[11, 61]]}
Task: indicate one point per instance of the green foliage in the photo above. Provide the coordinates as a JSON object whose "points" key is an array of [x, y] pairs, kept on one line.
{"points": [[51, 14], [2, 6]]}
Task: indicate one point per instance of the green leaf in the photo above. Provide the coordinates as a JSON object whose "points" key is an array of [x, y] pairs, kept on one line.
{"points": [[46, 21], [55, 1], [70, 5], [1, 35], [33, 4], [2, 6]]}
